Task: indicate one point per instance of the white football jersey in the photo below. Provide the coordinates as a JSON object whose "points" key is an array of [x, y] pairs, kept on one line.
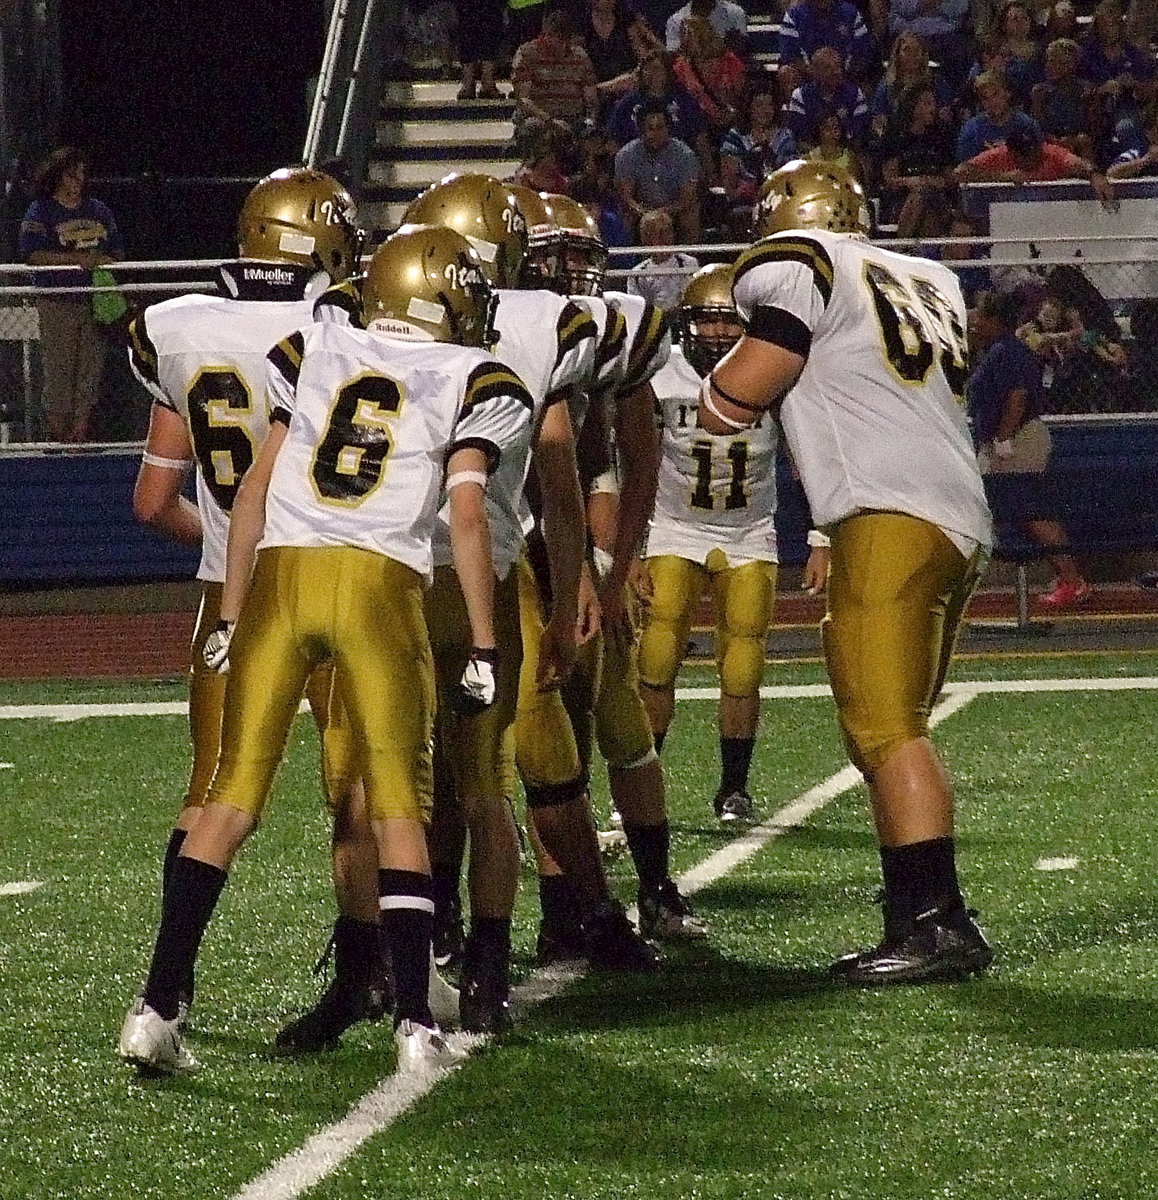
{"points": [[372, 419], [715, 492], [549, 343], [876, 419], [204, 357]]}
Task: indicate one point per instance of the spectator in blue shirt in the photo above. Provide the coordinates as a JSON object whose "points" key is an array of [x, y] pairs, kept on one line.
{"points": [[65, 226], [1124, 78], [997, 118], [658, 171], [1006, 398], [810, 24], [1139, 160], [827, 94]]}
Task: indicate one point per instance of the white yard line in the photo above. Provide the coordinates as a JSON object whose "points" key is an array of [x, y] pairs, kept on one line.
{"points": [[173, 708], [21, 888], [326, 1150]]}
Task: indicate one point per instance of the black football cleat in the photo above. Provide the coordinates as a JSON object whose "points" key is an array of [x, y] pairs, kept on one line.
{"points": [[613, 943], [484, 1000], [559, 941], [342, 1004], [939, 945], [448, 936]]}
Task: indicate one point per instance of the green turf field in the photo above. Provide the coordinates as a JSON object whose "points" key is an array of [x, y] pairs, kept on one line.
{"points": [[736, 1072]]}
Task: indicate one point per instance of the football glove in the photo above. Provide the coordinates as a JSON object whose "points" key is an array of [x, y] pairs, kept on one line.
{"points": [[215, 652], [476, 689]]}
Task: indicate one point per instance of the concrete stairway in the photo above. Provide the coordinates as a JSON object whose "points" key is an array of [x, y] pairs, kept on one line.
{"points": [[423, 133]]}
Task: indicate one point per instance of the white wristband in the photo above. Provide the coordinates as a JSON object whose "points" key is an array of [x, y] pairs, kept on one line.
{"points": [[605, 484], [706, 401], [603, 562], [170, 464], [479, 477], [819, 540]]}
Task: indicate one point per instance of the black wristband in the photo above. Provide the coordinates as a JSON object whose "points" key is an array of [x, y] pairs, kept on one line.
{"points": [[488, 655]]}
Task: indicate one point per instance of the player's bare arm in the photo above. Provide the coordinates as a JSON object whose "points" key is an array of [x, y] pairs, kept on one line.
{"points": [[752, 378], [555, 463], [247, 522], [638, 445], [471, 541], [157, 499]]}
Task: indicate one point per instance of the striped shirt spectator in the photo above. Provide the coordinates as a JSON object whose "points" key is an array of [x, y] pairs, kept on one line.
{"points": [[827, 94], [553, 78]]}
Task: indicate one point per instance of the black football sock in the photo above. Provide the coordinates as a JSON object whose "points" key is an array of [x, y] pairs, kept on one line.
{"points": [[172, 850], [490, 943], [919, 877], [559, 904], [650, 846], [407, 923], [659, 739], [357, 951], [444, 888], [190, 899], [735, 762]]}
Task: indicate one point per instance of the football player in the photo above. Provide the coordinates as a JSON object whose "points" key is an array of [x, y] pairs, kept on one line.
{"points": [[861, 352], [713, 526], [369, 427], [203, 359], [603, 694]]}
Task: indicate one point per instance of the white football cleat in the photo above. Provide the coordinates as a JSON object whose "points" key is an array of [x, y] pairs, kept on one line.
{"points": [[442, 998], [612, 843], [149, 1041], [421, 1049]]}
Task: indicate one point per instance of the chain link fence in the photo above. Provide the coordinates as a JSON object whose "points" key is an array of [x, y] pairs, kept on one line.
{"points": [[1110, 305]]}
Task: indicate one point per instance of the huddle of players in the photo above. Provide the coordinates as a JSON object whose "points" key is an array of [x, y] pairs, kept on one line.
{"points": [[315, 503]]}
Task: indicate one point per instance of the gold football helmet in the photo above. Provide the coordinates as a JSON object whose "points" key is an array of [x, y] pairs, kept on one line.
{"points": [[811, 195], [582, 254], [484, 211], [706, 318], [429, 279], [301, 216], [539, 266]]}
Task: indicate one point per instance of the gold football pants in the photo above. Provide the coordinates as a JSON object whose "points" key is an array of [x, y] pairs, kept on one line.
{"points": [[897, 591], [743, 597], [479, 750], [363, 611]]}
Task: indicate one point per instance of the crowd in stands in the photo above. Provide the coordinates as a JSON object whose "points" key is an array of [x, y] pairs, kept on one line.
{"points": [[634, 108]]}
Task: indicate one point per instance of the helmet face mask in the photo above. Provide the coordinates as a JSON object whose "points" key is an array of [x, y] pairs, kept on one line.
{"points": [[706, 318], [540, 266], [301, 217], [581, 255], [811, 195], [427, 282], [486, 213]]}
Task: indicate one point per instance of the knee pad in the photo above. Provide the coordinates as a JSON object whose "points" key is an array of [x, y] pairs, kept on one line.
{"points": [[741, 664], [553, 795]]}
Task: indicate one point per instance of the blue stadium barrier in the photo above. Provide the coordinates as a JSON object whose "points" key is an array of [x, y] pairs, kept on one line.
{"points": [[68, 521], [68, 518]]}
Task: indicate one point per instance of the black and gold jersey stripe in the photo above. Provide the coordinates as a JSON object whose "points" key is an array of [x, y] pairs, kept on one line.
{"points": [[144, 353], [286, 357], [490, 380], [614, 338], [573, 327], [795, 248], [653, 328], [345, 296]]}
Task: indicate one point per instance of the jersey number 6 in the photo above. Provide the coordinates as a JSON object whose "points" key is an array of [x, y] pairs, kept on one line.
{"points": [[351, 456]]}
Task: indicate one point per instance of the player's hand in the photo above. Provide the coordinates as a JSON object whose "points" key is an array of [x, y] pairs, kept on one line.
{"points": [[556, 651], [640, 581], [815, 578], [215, 652], [617, 622], [590, 616], [475, 691]]}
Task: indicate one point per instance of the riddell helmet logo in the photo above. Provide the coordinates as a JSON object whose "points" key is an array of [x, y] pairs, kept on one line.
{"points": [[267, 275]]}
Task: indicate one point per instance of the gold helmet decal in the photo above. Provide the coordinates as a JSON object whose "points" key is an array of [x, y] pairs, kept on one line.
{"points": [[811, 195], [582, 256], [706, 318], [301, 216], [427, 282], [485, 212]]}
